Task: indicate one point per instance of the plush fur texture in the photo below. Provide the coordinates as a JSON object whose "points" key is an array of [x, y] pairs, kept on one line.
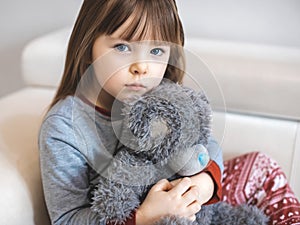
{"points": [[221, 214], [164, 135]]}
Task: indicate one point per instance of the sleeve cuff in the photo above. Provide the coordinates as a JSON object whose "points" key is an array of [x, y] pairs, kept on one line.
{"points": [[214, 171]]}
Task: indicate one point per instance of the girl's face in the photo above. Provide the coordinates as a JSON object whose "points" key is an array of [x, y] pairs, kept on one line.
{"points": [[124, 68]]}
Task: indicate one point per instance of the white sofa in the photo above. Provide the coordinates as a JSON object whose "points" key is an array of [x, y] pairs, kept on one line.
{"points": [[261, 87]]}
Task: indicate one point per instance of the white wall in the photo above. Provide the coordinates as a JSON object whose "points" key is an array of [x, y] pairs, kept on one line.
{"points": [[20, 21], [273, 22]]}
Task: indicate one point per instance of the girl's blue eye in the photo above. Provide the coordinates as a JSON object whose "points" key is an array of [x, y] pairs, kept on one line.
{"points": [[122, 48], [157, 51]]}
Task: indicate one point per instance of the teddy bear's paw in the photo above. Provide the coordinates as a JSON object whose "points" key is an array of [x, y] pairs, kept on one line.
{"points": [[174, 220], [114, 201], [238, 215], [191, 161]]}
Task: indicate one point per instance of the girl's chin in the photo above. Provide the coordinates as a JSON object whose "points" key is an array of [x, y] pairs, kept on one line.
{"points": [[131, 93]]}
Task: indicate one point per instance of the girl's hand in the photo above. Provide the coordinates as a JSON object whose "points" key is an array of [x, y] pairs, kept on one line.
{"points": [[165, 199], [203, 183]]}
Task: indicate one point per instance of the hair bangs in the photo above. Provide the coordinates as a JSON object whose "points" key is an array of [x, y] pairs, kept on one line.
{"points": [[150, 21]]}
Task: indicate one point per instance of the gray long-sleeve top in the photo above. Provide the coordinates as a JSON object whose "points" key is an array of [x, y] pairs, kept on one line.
{"points": [[76, 144]]}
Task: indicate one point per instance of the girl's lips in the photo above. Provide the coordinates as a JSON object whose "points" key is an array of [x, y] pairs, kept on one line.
{"points": [[135, 86]]}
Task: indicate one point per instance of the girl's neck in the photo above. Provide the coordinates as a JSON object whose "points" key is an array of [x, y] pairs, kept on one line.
{"points": [[105, 100], [100, 99], [109, 103]]}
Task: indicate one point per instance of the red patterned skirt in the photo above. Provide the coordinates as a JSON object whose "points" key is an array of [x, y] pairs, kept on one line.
{"points": [[256, 179]]}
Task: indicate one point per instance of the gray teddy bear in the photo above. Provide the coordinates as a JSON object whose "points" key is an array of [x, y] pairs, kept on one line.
{"points": [[164, 135]]}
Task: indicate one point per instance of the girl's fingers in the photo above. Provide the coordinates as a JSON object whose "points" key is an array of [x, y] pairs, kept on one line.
{"points": [[181, 187], [192, 218], [194, 208], [191, 196], [175, 182], [162, 185]]}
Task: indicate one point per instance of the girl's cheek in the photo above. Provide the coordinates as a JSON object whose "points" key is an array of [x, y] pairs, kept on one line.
{"points": [[159, 68], [163, 69]]}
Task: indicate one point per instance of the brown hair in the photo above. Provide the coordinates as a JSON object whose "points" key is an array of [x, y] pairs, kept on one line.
{"points": [[104, 17]]}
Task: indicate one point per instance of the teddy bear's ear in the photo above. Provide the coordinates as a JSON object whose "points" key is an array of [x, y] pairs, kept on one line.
{"points": [[152, 125]]}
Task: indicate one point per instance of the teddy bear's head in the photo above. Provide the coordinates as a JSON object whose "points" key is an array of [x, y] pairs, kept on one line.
{"points": [[169, 124]]}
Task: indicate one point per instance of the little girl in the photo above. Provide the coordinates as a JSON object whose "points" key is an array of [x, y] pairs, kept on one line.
{"points": [[119, 48], [132, 40]]}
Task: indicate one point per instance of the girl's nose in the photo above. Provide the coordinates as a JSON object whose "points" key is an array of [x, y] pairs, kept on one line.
{"points": [[139, 68]]}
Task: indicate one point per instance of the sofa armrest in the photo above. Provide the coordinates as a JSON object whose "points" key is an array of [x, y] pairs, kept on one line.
{"points": [[21, 113], [43, 59]]}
